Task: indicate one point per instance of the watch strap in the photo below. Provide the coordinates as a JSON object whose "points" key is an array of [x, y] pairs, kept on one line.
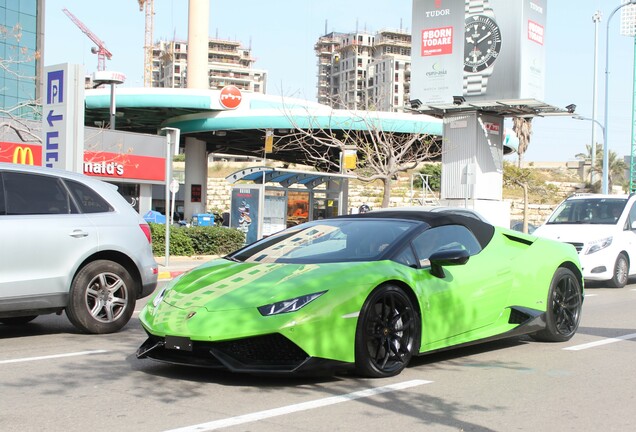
{"points": [[476, 7], [475, 84]]}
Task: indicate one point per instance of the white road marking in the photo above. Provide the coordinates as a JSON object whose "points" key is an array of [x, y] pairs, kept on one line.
{"points": [[590, 295], [319, 403], [600, 342], [26, 359]]}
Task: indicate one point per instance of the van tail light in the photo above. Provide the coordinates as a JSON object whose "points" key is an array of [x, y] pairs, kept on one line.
{"points": [[146, 229]]}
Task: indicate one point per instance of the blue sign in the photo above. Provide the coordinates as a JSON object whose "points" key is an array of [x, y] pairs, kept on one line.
{"points": [[55, 87]]}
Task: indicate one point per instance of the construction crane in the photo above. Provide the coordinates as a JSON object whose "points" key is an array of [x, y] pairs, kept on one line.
{"points": [[100, 50], [150, 13]]}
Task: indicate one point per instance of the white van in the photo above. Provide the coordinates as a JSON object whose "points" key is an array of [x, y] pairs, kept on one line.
{"points": [[602, 228]]}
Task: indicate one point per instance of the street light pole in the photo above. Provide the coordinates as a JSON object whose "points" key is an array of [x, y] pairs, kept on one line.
{"points": [[605, 113], [596, 18], [598, 123]]}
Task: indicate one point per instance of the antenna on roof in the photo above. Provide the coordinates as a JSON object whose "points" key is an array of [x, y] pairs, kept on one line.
{"points": [[325, 27]]}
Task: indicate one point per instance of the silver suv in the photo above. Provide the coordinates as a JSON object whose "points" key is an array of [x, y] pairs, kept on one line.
{"points": [[70, 242]]}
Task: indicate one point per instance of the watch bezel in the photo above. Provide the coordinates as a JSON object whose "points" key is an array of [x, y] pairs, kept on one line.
{"points": [[494, 50]]}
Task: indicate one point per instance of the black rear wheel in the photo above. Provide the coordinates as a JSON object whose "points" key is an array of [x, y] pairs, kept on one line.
{"points": [[386, 333], [563, 313]]}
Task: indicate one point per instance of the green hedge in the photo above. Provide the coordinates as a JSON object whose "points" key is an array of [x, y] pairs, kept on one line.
{"points": [[199, 240]]}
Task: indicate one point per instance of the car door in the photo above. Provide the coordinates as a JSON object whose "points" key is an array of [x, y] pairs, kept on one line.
{"points": [[630, 235], [470, 296], [44, 238]]}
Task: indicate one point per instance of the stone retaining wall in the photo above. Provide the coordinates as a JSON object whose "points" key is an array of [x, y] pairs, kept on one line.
{"points": [[219, 194]]}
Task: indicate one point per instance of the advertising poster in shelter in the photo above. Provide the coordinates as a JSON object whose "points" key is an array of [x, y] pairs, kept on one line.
{"points": [[244, 212]]}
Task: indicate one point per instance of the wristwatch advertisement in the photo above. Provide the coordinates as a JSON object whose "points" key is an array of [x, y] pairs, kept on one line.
{"points": [[482, 46], [482, 50]]}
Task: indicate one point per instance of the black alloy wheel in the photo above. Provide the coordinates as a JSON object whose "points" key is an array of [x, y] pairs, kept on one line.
{"points": [[386, 334], [563, 314]]}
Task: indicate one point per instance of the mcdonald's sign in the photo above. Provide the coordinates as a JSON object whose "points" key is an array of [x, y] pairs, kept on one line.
{"points": [[25, 154], [22, 155]]}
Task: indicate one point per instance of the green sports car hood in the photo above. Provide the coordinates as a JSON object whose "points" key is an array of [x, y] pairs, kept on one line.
{"points": [[227, 285]]}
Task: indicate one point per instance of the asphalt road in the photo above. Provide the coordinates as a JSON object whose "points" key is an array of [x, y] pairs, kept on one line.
{"points": [[53, 378]]}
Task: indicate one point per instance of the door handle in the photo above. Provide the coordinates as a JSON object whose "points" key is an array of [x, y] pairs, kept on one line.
{"points": [[79, 233]]}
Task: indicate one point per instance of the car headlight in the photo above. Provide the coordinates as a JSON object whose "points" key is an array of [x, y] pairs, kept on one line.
{"points": [[291, 305], [159, 297], [598, 245]]}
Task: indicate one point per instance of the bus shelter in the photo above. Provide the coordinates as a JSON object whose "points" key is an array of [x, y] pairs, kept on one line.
{"points": [[266, 200]]}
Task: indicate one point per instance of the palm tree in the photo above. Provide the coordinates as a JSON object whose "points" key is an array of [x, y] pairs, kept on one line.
{"points": [[616, 167], [522, 127], [596, 186]]}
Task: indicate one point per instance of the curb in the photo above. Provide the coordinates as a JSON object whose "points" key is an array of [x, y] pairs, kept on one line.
{"points": [[167, 275]]}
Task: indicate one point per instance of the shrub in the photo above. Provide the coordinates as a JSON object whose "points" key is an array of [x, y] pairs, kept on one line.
{"points": [[434, 171], [180, 243], [199, 240], [215, 240]]}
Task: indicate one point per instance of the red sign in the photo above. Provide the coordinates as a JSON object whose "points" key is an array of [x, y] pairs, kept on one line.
{"points": [[124, 166], [437, 41], [492, 128], [20, 153], [230, 97], [195, 193], [535, 32]]}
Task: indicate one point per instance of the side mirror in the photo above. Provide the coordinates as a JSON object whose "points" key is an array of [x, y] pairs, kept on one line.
{"points": [[446, 258]]}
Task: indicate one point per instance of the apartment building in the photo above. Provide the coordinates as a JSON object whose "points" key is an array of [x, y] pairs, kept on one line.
{"points": [[362, 70], [228, 64]]}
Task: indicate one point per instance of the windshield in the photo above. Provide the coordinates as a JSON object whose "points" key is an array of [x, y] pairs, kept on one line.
{"points": [[589, 211], [327, 240]]}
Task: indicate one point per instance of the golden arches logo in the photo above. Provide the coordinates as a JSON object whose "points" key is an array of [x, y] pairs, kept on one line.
{"points": [[23, 155]]}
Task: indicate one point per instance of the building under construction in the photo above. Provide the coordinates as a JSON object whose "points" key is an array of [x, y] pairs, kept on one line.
{"points": [[362, 70], [228, 64]]}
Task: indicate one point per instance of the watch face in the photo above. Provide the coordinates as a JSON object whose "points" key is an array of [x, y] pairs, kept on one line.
{"points": [[483, 43]]}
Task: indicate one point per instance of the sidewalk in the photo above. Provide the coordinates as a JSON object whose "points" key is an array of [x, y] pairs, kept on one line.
{"points": [[180, 264]]}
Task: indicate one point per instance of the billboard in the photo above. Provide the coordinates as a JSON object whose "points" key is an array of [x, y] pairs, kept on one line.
{"points": [[482, 50]]}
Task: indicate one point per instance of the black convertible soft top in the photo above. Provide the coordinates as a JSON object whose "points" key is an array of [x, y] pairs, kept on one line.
{"points": [[483, 231]]}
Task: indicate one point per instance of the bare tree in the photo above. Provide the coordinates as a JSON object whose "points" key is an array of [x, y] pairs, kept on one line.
{"points": [[21, 119], [381, 154]]}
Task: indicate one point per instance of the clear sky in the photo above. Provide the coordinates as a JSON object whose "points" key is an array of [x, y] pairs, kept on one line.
{"points": [[282, 34]]}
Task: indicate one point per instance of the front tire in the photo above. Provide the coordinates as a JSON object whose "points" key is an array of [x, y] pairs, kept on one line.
{"points": [[621, 272], [387, 333], [102, 298], [563, 314]]}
